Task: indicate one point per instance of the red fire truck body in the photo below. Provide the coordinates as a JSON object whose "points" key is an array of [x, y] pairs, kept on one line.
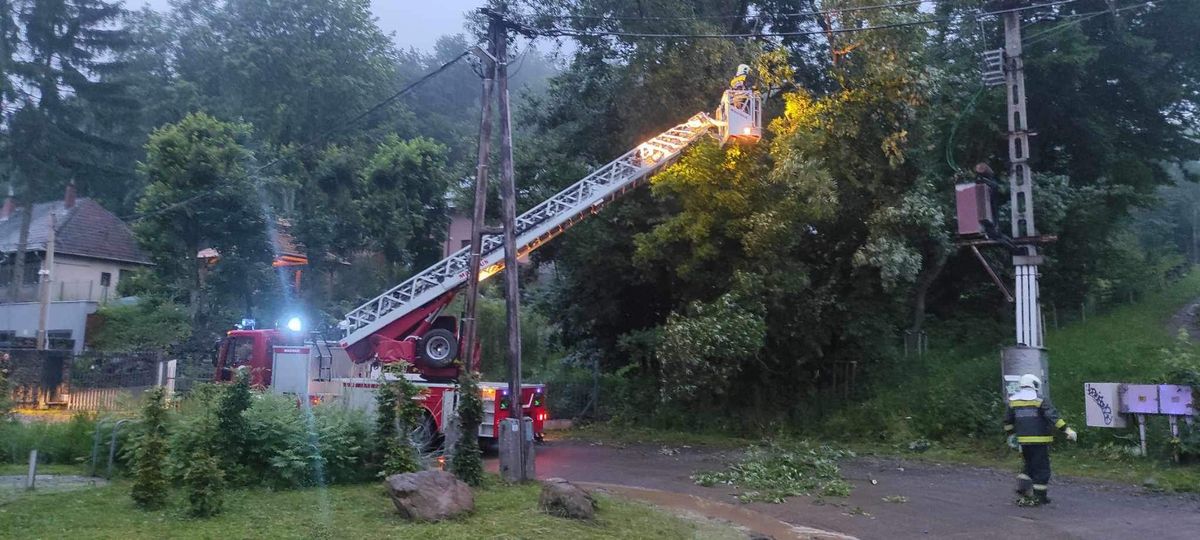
{"points": [[321, 371]]}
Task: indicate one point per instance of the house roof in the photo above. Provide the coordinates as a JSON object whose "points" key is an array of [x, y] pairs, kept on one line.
{"points": [[85, 230]]}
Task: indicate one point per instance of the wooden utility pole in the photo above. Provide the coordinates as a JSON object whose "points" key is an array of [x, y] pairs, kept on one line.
{"points": [[470, 326], [45, 274], [516, 452], [508, 207]]}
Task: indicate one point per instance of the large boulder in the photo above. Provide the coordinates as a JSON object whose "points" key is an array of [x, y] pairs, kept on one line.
{"points": [[563, 499], [429, 495]]}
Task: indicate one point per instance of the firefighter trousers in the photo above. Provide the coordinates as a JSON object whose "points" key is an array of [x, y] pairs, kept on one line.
{"points": [[1037, 463]]}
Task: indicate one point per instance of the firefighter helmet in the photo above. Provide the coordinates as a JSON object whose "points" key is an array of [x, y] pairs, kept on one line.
{"points": [[743, 69], [1030, 380]]}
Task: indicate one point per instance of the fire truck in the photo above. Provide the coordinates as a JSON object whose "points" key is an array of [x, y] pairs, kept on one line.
{"points": [[408, 322]]}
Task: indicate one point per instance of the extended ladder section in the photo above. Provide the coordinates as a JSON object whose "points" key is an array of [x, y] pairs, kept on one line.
{"points": [[533, 228]]}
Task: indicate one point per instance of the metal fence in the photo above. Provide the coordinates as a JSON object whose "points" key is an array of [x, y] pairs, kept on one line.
{"points": [[37, 378], [87, 382]]}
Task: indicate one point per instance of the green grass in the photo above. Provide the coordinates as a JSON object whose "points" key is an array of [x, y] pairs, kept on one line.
{"points": [[42, 468], [359, 511], [1122, 345]]}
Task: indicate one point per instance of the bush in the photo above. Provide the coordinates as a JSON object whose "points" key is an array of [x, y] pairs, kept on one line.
{"points": [[284, 446], [56, 442], [342, 441], [278, 451], [150, 454]]}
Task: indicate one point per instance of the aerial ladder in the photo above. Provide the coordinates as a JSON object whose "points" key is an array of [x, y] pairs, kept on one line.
{"points": [[406, 322]]}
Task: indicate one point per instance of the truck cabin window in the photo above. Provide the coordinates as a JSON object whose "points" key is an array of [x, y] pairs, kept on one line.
{"points": [[242, 349]]}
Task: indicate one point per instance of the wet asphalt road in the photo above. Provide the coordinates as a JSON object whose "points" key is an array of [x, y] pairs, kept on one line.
{"points": [[943, 501]]}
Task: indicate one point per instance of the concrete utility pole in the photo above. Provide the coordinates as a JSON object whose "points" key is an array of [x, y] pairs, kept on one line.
{"points": [[44, 283], [1027, 356], [470, 327], [516, 457]]}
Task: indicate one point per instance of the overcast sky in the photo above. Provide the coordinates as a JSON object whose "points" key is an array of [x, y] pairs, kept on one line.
{"points": [[412, 23]]}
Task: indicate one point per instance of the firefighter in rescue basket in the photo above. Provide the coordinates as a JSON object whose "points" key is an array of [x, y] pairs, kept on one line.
{"points": [[1033, 419]]}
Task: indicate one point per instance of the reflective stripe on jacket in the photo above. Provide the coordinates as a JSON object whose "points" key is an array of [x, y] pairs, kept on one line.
{"points": [[1033, 418]]}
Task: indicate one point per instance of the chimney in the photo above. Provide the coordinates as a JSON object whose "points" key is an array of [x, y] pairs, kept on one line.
{"points": [[9, 206], [69, 196]]}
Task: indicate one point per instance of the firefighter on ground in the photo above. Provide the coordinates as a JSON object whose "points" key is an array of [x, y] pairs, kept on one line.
{"points": [[1034, 420]]}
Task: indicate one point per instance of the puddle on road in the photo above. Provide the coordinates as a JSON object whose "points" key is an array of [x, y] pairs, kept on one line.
{"points": [[750, 520]]}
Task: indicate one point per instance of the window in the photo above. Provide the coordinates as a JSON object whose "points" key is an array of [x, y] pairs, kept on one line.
{"points": [[465, 243], [243, 350], [33, 264], [105, 279], [58, 334]]}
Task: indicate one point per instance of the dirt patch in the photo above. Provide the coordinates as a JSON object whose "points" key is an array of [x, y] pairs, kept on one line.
{"points": [[756, 524], [13, 486], [1187, 318]]}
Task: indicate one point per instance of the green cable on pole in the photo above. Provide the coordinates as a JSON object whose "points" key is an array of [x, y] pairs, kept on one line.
{"points": [[954, 128]]}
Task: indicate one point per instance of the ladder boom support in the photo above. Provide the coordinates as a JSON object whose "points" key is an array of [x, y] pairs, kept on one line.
{"points": [[534, 228]]}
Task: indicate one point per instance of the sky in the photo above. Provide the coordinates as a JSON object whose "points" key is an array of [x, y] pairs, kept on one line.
{"points": [[412, 23]]}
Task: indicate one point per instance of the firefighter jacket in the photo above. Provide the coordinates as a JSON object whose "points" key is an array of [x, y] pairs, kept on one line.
{"points": [[1033, 418], [738, 82]]}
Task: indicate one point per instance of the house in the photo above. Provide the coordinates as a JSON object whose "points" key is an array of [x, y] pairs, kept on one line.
{"points": [[458, 234], [93, 251]]}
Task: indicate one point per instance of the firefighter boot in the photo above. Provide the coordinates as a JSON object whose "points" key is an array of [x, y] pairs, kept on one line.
{"points": [[1024, 485], [1039, 494]]}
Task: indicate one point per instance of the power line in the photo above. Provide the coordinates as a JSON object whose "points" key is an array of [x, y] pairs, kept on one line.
{"points": [[321, 136], [561, 32], [736, 17], [1080, 18]]}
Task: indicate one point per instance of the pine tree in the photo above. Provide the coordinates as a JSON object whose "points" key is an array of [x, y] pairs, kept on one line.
{"points": [[149, 457], [467, 463], [396, 415], [231, 422]]}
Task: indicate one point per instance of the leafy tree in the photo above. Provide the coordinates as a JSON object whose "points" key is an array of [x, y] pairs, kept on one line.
{"points": [[245, 59], [148, 324], [710, 345], [199, 195], [150, 455], [406, 202]]}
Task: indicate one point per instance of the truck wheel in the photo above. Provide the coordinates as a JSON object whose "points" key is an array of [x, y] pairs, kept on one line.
{"points": [[425, 436], [439, 348]]}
